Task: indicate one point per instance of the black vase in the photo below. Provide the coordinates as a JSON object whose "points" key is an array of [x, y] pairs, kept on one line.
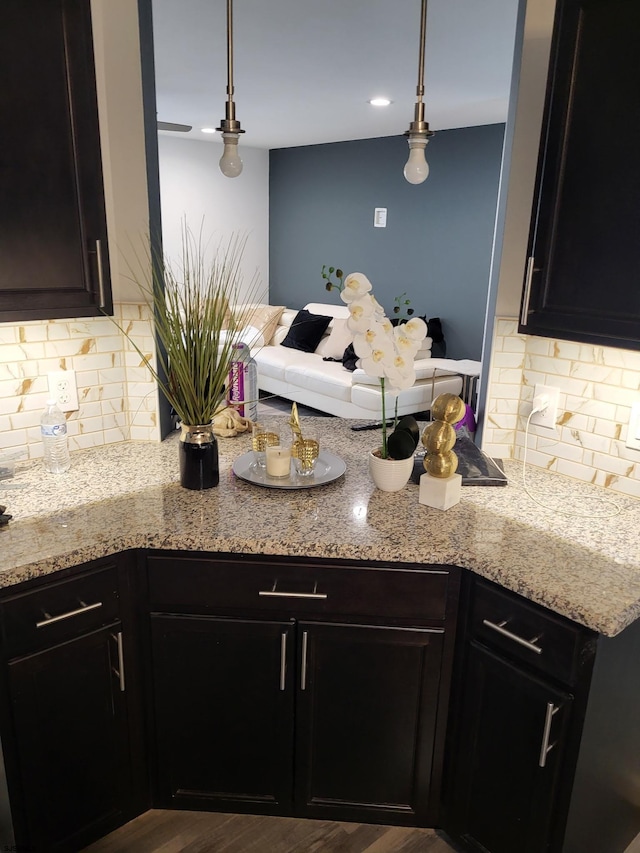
{"points": [[198, 454]]}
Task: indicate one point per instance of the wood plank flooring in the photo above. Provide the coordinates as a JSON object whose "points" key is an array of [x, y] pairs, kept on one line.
{"points": [[160, 831]]}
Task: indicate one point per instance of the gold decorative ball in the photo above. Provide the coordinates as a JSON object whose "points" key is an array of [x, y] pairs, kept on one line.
{"points": [[441, 465], [438, 437], [448, 407]]}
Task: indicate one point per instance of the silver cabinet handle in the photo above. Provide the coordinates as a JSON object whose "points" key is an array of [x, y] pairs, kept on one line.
{"points": [[49, 620], [524, 312], [119, 672], [283, 660], [528, 644], [303, 667], [545, 748], [101, 292], [274, 593]]}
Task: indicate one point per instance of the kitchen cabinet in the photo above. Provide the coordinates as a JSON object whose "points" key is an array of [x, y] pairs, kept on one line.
{"points": [[543, 742], [583, 255], [284, 687], [54, 259], [65, 722]]}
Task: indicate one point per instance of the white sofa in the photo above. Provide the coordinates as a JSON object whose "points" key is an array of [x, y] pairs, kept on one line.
{"points": [[329, 387]]}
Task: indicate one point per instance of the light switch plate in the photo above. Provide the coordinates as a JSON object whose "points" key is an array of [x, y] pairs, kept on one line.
{"points": [[633, 430]]}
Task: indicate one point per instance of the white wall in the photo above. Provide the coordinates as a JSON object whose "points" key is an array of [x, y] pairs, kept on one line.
{"points": [[193, 189], [119, 87], [524, 157]]}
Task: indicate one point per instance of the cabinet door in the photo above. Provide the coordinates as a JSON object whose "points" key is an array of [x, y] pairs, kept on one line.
{"points": [[224, 713], [509, 756], [366, 722], [584, 252], [53, 242], [70, 725]]}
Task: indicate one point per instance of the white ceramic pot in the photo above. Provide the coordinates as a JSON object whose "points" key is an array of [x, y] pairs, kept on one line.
{"points": [[390, 475]]}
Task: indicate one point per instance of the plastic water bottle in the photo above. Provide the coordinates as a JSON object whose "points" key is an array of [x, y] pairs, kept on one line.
{"points": [[53, 427], [243, 382]]}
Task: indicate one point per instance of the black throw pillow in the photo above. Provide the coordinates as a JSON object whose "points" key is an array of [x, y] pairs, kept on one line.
{"points": [[306, 331], [349, 358]]}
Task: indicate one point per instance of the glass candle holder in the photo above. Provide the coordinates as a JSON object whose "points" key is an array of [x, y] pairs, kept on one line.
{"points": [[305, 452], [264, 434]]}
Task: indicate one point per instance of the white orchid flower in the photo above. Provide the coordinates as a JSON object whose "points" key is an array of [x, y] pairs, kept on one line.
{"points": [[372, 337], [379, 358], [415, 328], [404, 344], [355, 286], [401, 372], [362, 313]]}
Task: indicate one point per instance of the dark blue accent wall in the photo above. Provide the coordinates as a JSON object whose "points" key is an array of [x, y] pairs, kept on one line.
{"points": [[439, 234]]}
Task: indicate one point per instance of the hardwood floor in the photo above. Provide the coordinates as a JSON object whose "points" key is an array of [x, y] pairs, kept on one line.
{"points": [[160, 831]]}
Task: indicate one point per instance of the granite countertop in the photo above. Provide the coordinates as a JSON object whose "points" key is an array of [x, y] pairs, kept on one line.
{"points": [[127, 495]]}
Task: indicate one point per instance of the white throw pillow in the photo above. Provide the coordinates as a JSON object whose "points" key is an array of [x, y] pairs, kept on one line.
{"points": [[334, 344]]}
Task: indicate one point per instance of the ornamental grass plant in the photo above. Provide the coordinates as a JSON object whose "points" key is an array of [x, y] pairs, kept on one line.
{"points": [[198, 320]]}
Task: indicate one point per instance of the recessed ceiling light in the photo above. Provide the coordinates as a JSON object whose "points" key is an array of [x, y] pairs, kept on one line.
{"points": [[208, 129], [379, 102]]}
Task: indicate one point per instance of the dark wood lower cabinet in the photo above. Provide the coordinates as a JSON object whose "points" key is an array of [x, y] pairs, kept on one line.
{"points": [[543, 739], [366, 716], [223, 703], [512, 734], [297, 697], [71, 737]]}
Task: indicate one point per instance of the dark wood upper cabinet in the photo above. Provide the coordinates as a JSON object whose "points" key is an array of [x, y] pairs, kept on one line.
{"points": [[54, 259], [583, 270]]}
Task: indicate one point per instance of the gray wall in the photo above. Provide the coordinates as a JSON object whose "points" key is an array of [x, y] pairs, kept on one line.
{"points": [[438, 239]]}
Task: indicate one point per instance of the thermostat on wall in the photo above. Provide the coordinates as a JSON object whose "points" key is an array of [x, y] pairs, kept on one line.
{"points": [[380, 217]]}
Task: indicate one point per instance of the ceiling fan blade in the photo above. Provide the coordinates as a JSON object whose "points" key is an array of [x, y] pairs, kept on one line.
{"points": [[169, 125]]}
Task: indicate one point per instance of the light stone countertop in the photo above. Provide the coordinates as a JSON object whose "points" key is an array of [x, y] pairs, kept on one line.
{"points": [[128, 496]]}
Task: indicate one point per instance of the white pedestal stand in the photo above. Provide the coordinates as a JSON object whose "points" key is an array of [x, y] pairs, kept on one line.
{"points": [[439, 492]]}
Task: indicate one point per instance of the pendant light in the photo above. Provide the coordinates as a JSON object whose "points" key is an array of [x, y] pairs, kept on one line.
{"points": [[230, 162], [416, 169]]}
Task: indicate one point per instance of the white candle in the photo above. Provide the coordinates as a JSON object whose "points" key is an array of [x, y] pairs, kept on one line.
{"points": [[278, 460]]}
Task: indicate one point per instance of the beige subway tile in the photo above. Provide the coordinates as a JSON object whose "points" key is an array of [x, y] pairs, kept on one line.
{"points": [[565, 349], [614, 465], [611, 394], [58, 331], [575, 470], [116, 435], [14, 439], [85, 440], [112, 343], [111, 390], [8, 335], [509, 360], [599, 373], [112, 374], [513, 344], [552, 367], [98, 361], [539, 346], [497, 451]]}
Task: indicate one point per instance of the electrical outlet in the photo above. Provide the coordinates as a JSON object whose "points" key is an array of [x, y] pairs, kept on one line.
{"points": [[63, 389], [633, 430], [549, 416]]}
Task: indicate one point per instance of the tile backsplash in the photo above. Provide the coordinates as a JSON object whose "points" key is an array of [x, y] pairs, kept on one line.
{"points": [[117, 397], [598, 386]]}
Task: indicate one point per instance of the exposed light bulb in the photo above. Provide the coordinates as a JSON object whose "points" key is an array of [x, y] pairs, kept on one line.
{"points": [[230, 162], [416, 169]]}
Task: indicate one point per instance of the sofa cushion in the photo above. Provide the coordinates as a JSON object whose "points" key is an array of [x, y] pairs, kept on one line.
{"points": [[334, 344], [265, 318], [306, 331], [328, 310], [328, 378]]}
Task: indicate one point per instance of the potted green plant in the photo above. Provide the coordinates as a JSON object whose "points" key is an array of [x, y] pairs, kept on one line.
{"points": [[384, 351], [196, 331]]}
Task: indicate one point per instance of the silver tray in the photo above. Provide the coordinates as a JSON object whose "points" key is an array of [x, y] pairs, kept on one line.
{"points": [[329, 467]]}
